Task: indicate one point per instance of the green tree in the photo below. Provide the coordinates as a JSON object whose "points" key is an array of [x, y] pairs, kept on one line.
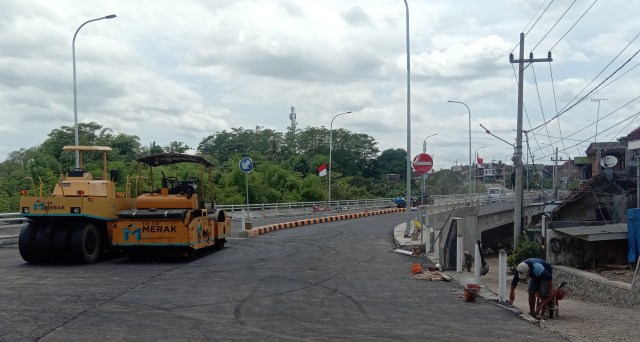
{"points": [[392, 161], [176, 147], [444, 182]]}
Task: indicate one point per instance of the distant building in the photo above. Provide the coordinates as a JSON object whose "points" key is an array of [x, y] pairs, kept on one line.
{"points": [[392, 177]]}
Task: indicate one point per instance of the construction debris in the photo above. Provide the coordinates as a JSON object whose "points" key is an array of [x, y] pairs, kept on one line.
{"points": [[427, 275]]}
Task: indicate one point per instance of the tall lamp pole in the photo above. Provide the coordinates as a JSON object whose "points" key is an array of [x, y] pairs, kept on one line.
{"points": [[407, 230], [75, 92], [468, 110], [424, 176], [424, 142], [330, 148]]}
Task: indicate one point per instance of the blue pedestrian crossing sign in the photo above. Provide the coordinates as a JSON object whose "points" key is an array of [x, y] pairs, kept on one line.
{"points": [[246, 164]]}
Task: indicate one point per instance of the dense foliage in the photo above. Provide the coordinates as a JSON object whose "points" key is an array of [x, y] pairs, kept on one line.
{"points": [[285, 164], [524, 250]]}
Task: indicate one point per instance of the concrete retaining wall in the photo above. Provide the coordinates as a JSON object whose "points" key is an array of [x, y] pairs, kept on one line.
{"points": [[594, 288]]}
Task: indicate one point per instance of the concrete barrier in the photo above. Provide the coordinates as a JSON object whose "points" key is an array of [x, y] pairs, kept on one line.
{"points": [[9, 233], [304, 222]]}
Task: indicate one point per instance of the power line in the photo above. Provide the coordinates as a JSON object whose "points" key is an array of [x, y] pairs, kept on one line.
{"points": [[589, 93], [603, 70], [555, 102], [617, 78], [633, 117], [588, 139], [574, 24], [591, 124], [525, 27], [533, 70], [554, 25], [541, 14]]}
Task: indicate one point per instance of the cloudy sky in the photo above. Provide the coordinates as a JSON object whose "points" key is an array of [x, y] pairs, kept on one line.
{"points": [[168, 70]]}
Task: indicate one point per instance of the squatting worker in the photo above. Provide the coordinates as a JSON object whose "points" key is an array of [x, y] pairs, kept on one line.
{"points": [[539, 273]]}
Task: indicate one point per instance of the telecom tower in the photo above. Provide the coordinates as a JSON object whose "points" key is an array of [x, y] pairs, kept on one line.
{"points": [[292, 117]]}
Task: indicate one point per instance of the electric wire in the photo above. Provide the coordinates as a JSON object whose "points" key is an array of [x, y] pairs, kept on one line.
{"points": [[565, 149], [617, 78], [525, 27], [620, 131], [541, 14], [555, 102], [554, 25], [633, 117], [589, 93], [602, 71], [533, 71], [572, 26]]}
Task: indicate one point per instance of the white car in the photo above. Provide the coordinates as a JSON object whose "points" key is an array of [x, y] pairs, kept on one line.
{"points": [[495, 195]]}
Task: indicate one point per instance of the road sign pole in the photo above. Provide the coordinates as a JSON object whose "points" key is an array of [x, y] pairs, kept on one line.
{"points": [[246, 183], [246, 165]]}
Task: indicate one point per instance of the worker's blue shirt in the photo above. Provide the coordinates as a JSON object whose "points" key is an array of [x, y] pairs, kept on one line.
{"points": [[538, 269]]}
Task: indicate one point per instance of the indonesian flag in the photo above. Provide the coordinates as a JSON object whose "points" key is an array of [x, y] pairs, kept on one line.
{"points": [[480, 160], [322, 170]]}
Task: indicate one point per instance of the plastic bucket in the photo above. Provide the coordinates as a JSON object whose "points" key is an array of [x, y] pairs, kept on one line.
{"points": [[471, 292]]}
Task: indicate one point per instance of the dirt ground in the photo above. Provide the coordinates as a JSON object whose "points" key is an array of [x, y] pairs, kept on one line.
{"points": [[624, 275], [580, 321]]}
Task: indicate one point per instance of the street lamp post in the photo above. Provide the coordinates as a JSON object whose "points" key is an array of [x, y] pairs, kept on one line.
{"points": [[407, 229], [474, 176], [504, 182], [424, 177], [468, 110], [75, 92], [424, 142], [330, 148]]}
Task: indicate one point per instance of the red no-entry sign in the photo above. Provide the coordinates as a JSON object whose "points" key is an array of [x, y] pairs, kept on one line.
{"points": [[422, 163]]}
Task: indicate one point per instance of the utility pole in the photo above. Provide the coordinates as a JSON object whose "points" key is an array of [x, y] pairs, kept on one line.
{"points": [[517, 212], [555, 167], [637, 182]]}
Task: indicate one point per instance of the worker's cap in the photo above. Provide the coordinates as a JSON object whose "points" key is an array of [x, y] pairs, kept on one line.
{"points": [[523, 270]]}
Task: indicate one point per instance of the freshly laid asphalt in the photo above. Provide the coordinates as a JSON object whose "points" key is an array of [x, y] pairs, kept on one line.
{"points": [[338, 281]]}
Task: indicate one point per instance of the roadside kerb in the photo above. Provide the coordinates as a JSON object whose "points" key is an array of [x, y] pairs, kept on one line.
{"points": [[299, 223]]}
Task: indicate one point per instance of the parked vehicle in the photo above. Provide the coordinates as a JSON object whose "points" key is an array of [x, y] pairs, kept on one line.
{"points": [[495, 195], [415, 201], [75, 221], [171, 217]]}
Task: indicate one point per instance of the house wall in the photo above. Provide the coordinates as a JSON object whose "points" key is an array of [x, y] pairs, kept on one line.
{"points": [[565, 249]]}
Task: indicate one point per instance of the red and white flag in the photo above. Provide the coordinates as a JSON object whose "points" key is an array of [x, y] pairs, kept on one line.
{"points": [[480, 160], [322, 170]]}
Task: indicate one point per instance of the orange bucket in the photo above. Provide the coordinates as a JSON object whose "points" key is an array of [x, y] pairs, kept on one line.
{"points": [[416, 268], [471, 292]]}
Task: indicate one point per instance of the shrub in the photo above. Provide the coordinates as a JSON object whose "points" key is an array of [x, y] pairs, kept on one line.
{"points": [[524, 250]]}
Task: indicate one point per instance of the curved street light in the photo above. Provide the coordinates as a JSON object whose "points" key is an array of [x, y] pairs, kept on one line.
{"points": [[468, 110], [75, 93], [424, 142], [424, 150], [330, 148], [486, 130]]}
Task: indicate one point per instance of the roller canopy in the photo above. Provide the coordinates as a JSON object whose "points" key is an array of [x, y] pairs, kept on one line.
{"points": [[172, 158]]}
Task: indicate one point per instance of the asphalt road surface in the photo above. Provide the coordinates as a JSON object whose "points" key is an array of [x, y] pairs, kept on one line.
{"points": [[331, 282]]}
